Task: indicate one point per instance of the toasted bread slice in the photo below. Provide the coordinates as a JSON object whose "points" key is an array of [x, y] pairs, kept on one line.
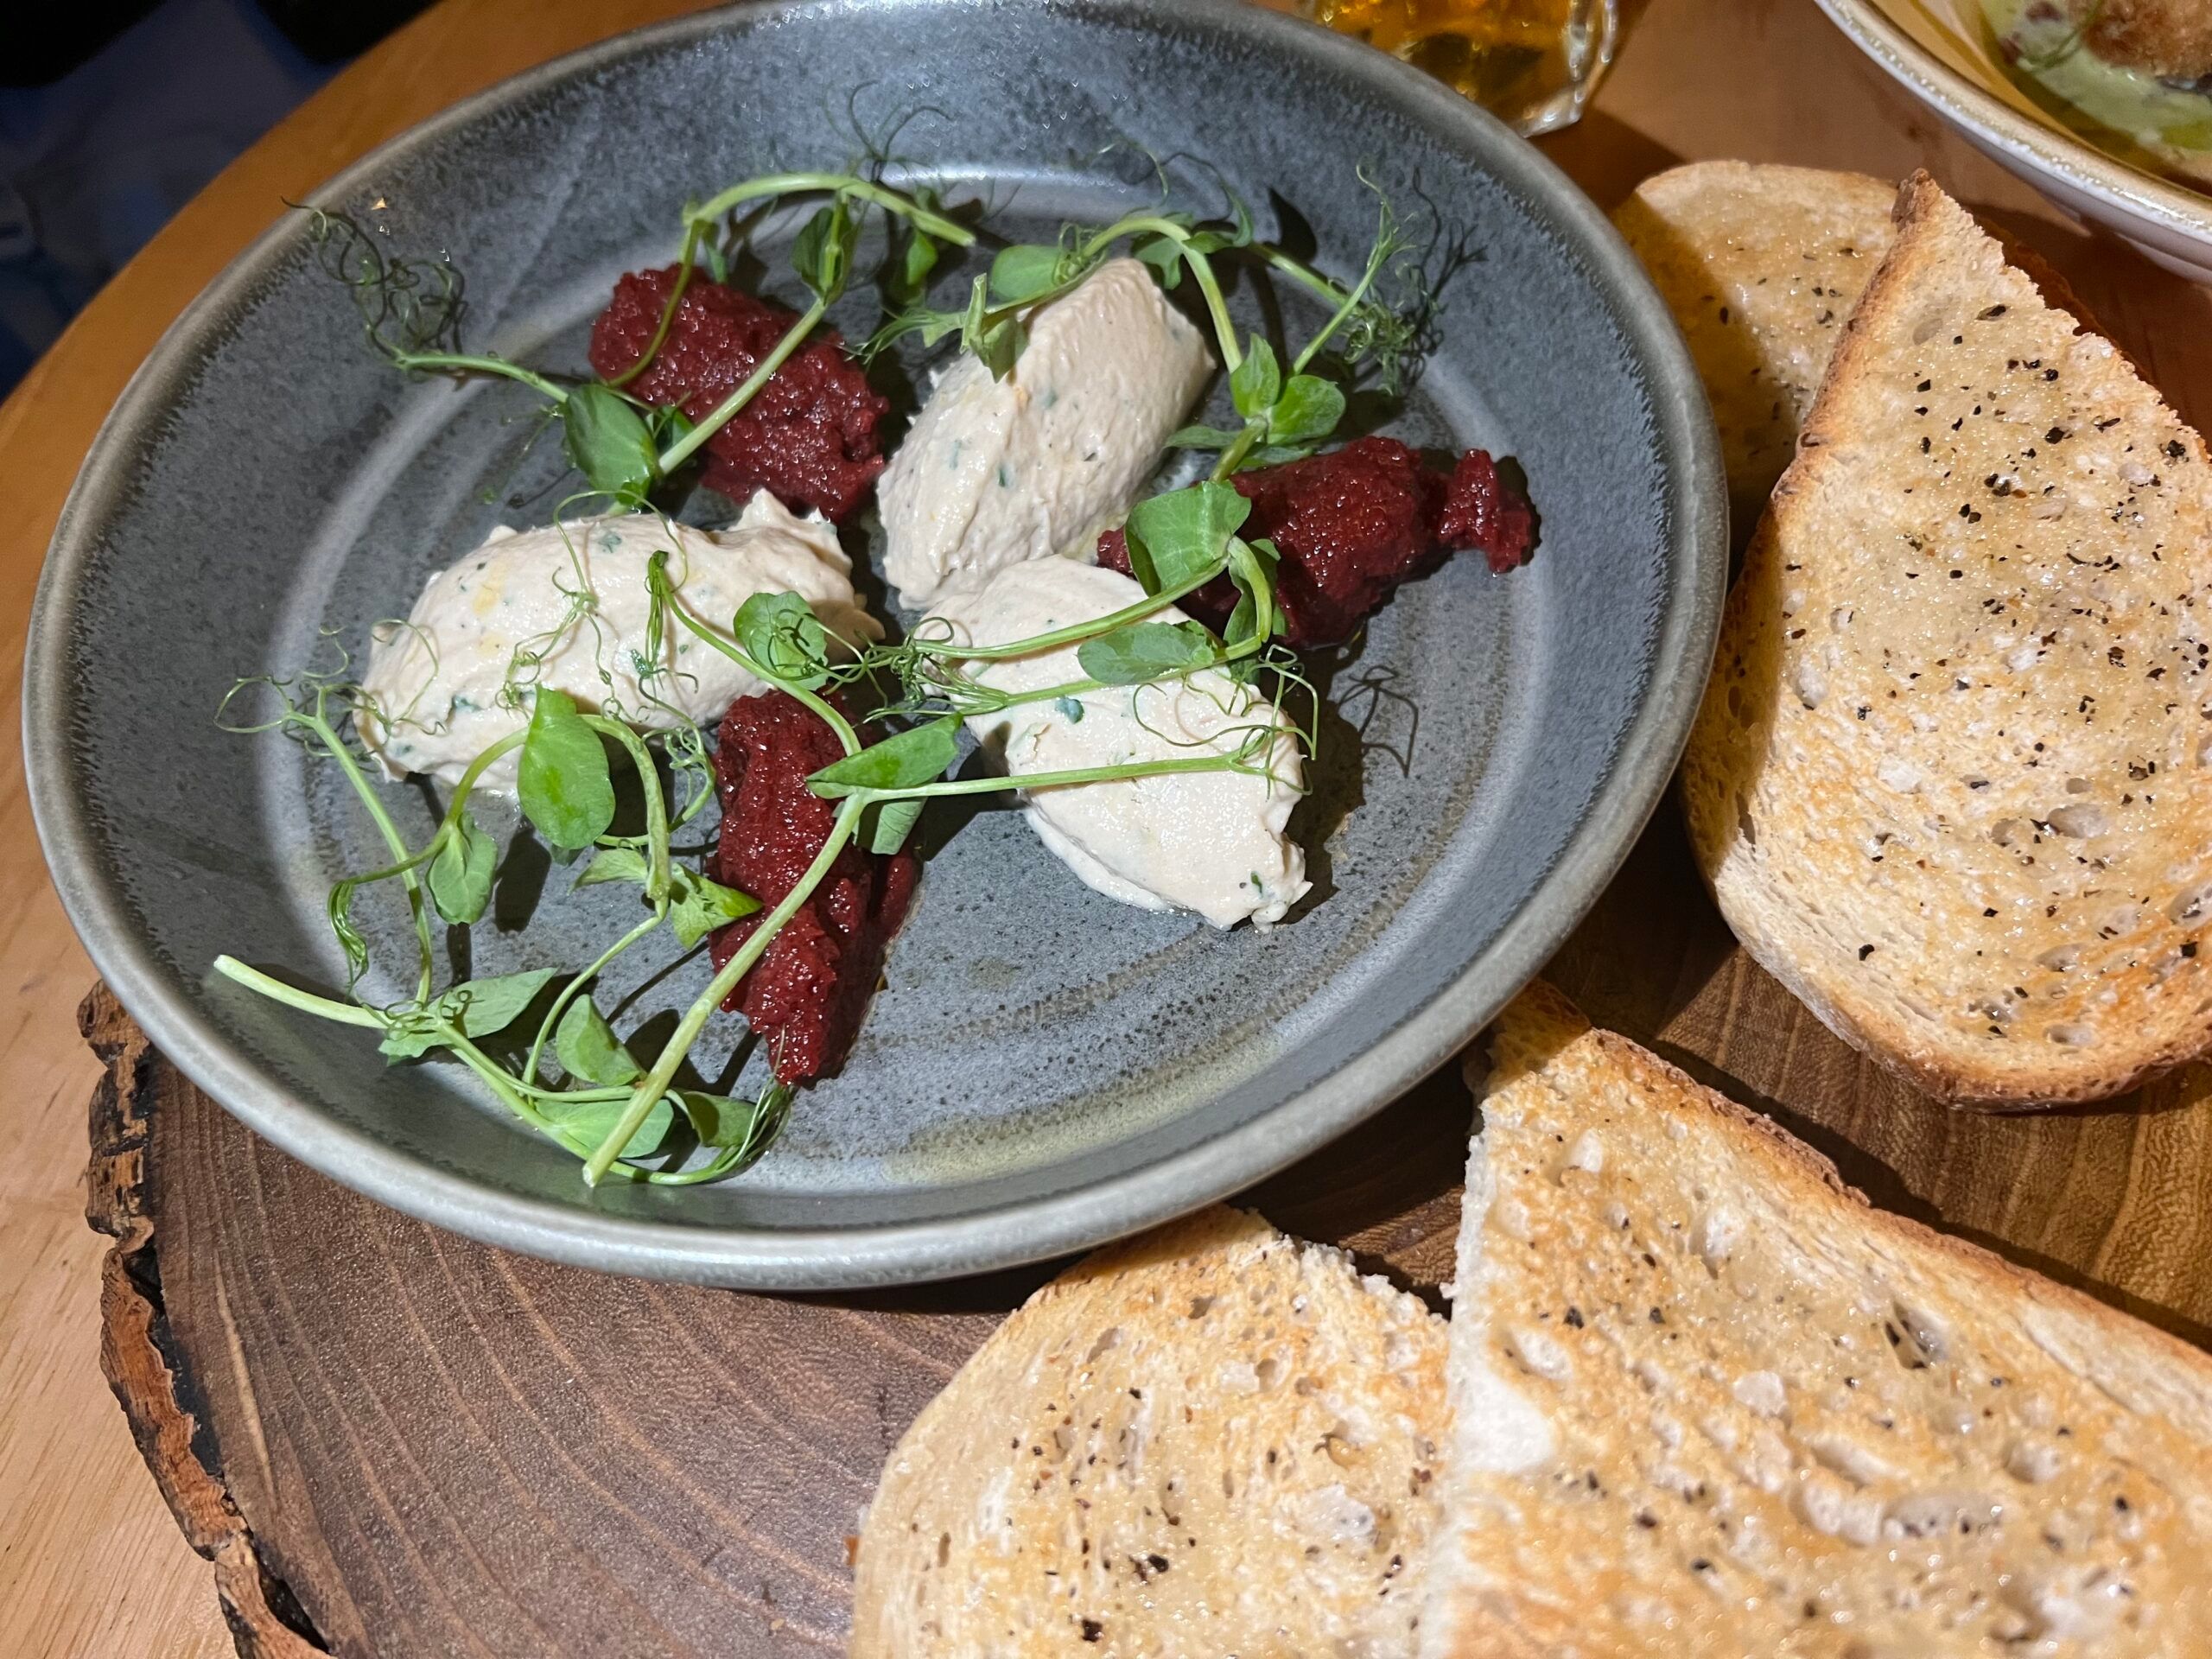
{"points": [[1761, 266], [1708, 1402], [1211, 1441], [1952, 781]]}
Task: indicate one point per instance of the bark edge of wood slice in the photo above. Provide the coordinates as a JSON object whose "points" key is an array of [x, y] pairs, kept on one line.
{"points": [[265, 1617], [268, 1333]]}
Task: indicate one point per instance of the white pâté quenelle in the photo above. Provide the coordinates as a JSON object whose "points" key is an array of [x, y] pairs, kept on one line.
{"points": [[448, 683], [1211, 842], [994, 472]]}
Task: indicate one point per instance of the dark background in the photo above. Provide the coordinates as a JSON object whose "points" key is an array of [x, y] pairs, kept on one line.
{"points": [[114, 113]]}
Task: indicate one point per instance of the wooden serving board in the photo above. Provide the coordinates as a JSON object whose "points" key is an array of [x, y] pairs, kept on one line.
{"points": [[390, 1441]]}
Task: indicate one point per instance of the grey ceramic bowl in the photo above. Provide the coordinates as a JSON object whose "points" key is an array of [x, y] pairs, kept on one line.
{"points": [[1046, 1068]]}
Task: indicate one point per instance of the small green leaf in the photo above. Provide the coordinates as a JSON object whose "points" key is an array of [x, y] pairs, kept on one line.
{"points": [[667, 424], [887, 824], [977, 316], [340, 908], [588, 1049], [1252, 568], [563, 781], [1201, 437], [483, 1005], [782, 634], [917, 756], [616, 864], [698, 905], [936, 325], [460, 875], [1240, 237], [723, 1122], [824, 252], [1145, 650], [1176, 537], [1164, 255], [608, 440], [1307, 412], [907, 278], [932, 326], [701, 905], [590, 1121], [1070, 708], [1000, 345], [478, 1007], [1257, 381], [1019, 274]]}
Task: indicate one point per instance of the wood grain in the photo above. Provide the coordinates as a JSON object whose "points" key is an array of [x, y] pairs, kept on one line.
{"points": [[92, 1564], [2115, 1199], [438, 1447], [306, 1389], [441, 1447]]}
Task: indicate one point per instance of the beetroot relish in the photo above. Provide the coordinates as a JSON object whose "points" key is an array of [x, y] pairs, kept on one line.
{"points": [[809, 435], [806, 996], [1354, 524]]}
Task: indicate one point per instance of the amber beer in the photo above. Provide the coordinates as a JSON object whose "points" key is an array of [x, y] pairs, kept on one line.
{"points": [[1532, 61]]}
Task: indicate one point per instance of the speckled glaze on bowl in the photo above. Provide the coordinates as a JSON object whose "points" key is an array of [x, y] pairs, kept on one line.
{"points": [[1046, 1068]]}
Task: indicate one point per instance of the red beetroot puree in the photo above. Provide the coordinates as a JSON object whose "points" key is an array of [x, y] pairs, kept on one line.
{"points": [[1354, 524], [807, 994], [809, 434]]}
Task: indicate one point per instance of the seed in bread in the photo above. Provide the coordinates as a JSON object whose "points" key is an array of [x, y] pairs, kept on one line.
{"points": [[1952, 780], [1761, 266], [1210, 1440], [1709, 1402]]}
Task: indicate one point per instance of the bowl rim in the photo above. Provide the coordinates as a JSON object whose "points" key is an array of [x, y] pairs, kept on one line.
{"points": [[1020, 1232], [2038, 145]]}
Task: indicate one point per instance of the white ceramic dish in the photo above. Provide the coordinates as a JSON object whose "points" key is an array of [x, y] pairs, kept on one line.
{"points": [[1922, 46]]}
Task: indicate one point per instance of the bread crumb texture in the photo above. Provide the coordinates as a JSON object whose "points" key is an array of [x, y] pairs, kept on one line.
{"points": [[1213, 1440], [1780, 1423], [1952, 781], [1761, 266]]}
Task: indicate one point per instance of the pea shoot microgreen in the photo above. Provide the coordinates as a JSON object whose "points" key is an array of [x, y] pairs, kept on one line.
{"points": [[607, 1108], [575, 1080], [1286, 415], [412, 312], [624, 449], [565, 791]]}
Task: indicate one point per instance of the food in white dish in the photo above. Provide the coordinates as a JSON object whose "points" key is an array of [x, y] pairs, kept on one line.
{"points": [[1210, 842], [996, 471], [2133, 77], [455, 677]]}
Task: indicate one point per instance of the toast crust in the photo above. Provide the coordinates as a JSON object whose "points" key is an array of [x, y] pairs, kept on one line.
{"points": [[1952, 780], [1780, 1420]]}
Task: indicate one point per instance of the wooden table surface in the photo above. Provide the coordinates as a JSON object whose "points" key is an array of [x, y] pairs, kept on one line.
{"points": [[91, 1563]]}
